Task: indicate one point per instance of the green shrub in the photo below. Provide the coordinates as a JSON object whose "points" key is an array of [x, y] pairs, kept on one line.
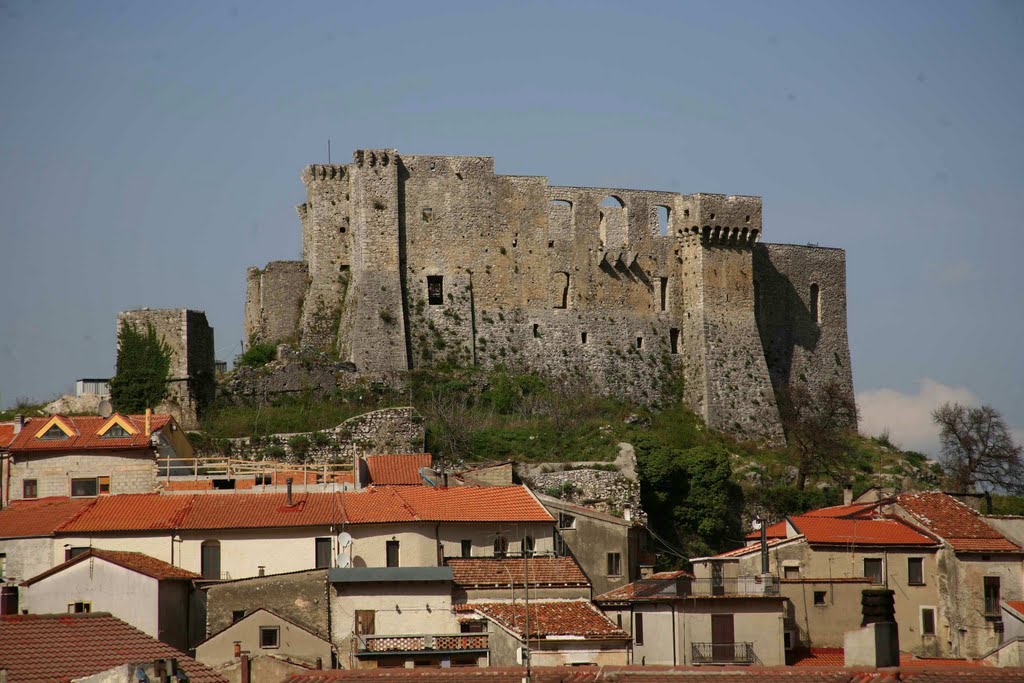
{"points": [[299, 445], [143, 368], [257, 355]]}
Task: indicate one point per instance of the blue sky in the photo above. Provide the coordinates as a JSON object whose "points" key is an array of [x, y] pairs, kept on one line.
{"points": [[150, 152]]}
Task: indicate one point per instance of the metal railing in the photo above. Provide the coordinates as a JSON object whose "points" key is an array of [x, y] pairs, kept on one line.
{"points": [[722, 653], [707, 587], [383, 644]]}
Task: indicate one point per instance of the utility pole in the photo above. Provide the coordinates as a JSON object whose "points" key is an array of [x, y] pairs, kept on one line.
{"points": [[526, 587]]}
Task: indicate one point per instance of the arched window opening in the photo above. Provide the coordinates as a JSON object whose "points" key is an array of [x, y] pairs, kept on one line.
{"points": [[664, 214], [613, 202], [561, 204], [816, 302], [210, 560]]}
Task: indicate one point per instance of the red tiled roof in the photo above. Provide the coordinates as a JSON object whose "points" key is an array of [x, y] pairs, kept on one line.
{"points": [[130, 512], [752, 548], [1017, 606], [39, 648], [960, 526], [6, 434], [552, 618], [155, 512], [38, 516], [474, 504], [136, 562], [544, 571], [777, 530], [85, 436], [858, 531], [818, 656], [652, 585], [833, 656], [397, 470]]}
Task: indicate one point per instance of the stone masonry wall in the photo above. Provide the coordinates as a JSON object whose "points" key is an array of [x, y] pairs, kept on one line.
{"points": [[299, 597], [192, 377], [442, 261], [274, 299], [129, 472]]}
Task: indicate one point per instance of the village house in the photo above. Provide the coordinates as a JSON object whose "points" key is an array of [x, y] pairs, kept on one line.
{"points": [[86, 456], [675, 618], [948, 568], [149, 594]]}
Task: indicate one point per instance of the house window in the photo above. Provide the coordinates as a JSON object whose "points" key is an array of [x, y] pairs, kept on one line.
{"points": [[237, 615], [819, 597], [566, 521], [103, 484], [915, 571], [473, 627], [435, 290], [618, 619], [116, 431], [787, 640], [873, 569], [528, 544], [81, 488], [500, 546], [928, 621], [270, 637], [991, 595], [392, 553], [79, 607], [3, 566], [209, 560], [71, 552], [467, 548], [323, 553], [54, 432], [791, 572], [614, 564], [638, 629], [29, 488]]}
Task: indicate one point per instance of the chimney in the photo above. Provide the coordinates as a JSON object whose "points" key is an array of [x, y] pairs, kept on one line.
{"points": [[627, 513], [149, 417], [848, 494], [19, 422], [319, 663], [246, 675], [238, 649], [288, 484], [261, 570]]}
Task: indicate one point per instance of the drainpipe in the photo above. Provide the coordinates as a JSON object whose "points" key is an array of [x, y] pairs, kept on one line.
{"points": [[675, 657]]}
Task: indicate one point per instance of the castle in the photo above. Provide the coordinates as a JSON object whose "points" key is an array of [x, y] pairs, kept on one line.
{"points": [[414, 260]]}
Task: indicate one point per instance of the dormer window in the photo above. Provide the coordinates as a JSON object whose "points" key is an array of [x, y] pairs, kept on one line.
{"points": [[116, 432], [54, 432]]}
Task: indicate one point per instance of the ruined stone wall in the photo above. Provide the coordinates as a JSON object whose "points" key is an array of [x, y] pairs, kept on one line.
{"points": [[273, 301], [420, 260], [192, 377], [300, 597], [801, 311]]}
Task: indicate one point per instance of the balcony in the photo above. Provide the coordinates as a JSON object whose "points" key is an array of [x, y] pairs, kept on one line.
{"points": [[722, 653], [684, 587], [457, 643]]}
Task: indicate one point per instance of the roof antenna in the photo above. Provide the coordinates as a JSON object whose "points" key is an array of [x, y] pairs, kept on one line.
{"points": [[328, 151]]}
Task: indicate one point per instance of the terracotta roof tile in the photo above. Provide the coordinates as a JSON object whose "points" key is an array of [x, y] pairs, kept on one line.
{"points": [[652, 585], [817, 656], [858, 531], [154, 511], [38, 516], [777, 530], [960, 526], [58, 647], [397, 470], [747, 549], [552, 618], [136, 562], [85, 436], [544, 571], [6, 434], [1017, 606]]}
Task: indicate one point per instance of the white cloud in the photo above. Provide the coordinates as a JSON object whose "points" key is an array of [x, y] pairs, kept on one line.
{"points": [[908, 417]]}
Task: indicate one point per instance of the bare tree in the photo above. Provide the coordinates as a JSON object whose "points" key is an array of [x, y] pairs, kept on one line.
{"points": [[818, 424], [977, 449]]}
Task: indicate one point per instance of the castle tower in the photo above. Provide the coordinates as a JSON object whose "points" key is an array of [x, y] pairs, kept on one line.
{"points": [[192, 384]]}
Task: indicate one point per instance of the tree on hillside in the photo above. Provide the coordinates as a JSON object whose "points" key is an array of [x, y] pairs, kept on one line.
{"points": [[818, 425], [689, 495], [143, 368], [978, 451]]}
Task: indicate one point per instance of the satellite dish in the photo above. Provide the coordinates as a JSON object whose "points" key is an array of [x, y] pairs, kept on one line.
{"points": [[344, 539], [105, 409], [757, 524], [344, 561]]}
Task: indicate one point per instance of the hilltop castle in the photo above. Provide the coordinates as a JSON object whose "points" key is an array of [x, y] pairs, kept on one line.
{"points": [[412, 260]]}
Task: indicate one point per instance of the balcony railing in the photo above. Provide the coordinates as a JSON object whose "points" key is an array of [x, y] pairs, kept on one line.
{"points": [[743, 586], [393, 644], [270, 472], [722, 653]]}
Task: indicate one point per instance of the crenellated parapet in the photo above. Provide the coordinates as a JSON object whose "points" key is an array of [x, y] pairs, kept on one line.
{"points": [[323, 172]]}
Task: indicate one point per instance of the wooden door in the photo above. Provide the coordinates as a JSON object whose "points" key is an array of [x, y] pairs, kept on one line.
{"points": [[723, 637]]}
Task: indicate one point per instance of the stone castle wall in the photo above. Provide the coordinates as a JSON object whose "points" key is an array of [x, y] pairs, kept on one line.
{"points": [[417, 260], [192, 378]]}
